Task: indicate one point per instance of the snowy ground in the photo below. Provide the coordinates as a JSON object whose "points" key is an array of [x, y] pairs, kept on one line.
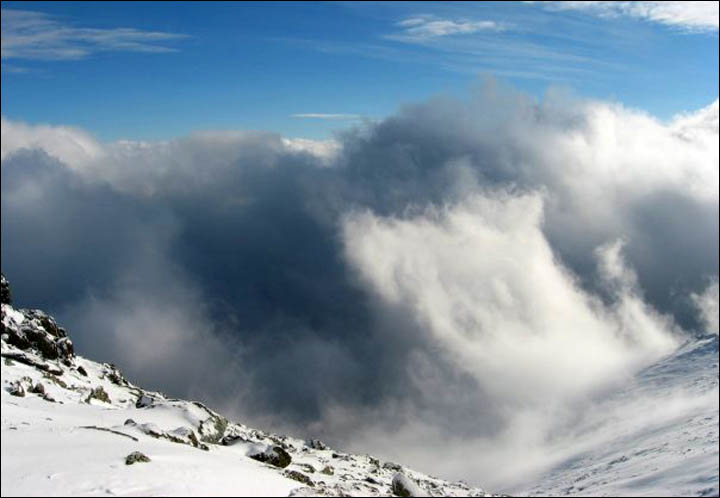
{"points": [[657, 437]]}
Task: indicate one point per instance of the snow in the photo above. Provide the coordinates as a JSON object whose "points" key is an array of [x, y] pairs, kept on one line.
{"points": [[53, 456], [656, 437]]}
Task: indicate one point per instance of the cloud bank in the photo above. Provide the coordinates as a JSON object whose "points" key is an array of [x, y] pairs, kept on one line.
{"points": [[462, 276]]}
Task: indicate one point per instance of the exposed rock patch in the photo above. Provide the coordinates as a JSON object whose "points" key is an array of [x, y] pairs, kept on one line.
{"points": [[402, 485], [136, 457], [300, 477], [274, 455]]}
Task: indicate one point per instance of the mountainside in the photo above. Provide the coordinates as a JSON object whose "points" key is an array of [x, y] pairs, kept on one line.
{"points": [[72, 426], [656, 437]]}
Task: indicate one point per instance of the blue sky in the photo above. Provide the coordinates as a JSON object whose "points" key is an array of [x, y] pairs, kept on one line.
{"points": [[160, 70]]}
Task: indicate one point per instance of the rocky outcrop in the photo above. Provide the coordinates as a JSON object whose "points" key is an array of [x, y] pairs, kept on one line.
{"points": [[5, 296], [33, 330], [402, 485], [272, 455], [300, 477]]}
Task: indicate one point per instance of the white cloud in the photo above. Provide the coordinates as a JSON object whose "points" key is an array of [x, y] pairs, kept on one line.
{"points": [[423, 27], [142, 166], [707, 305], [690, 16], [481, 278], [72, 146], [35, 35], [327, 150]]}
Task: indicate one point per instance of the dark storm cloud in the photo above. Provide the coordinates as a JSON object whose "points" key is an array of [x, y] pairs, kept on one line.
{"points": [[275, 275]]}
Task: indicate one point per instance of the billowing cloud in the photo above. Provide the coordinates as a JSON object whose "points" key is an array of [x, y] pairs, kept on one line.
{"points": [[463, 275], [480, 279], [35, 35], [707, 304]]}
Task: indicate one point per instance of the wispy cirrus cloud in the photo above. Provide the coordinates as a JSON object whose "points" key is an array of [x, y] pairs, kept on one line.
{"points": [[689, 16], [327, 116], [424, 27], [36, 35]]}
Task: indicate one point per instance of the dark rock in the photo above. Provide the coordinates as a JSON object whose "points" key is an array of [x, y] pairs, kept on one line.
{"points": [[316, 444], [275, 456], [42, 341], [99, 394], [213, 429], [16, 338], [38, 389], [16, 389], [116, 378], [5, 294], [299, 476], [136, 457], [392, 466], [404, 486], [48, 323], [232, 439], [328, 471], [82, 371], [40, 332]]}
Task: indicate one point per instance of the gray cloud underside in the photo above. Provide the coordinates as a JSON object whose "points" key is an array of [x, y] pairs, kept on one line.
{"points": [[414, 283]]}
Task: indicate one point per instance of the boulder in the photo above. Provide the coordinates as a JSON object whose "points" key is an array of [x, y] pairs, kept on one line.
{"points": [[136, 457], [16, 389], [299, 476], [273, 455], [402, 485]]}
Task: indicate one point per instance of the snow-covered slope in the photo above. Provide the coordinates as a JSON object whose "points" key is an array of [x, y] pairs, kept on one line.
{"points": [[69, 425], [656, 437]]}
